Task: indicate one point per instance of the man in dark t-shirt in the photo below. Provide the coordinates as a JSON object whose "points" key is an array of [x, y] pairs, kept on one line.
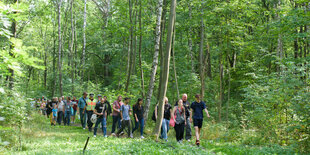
{"points": [[197, 108], [101, 112]]}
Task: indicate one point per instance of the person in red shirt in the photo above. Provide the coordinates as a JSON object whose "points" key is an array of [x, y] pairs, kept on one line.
{"points": [[74, 108]]}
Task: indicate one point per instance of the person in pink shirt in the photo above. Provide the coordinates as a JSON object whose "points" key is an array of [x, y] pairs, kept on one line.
{"points": [[116, 114]]}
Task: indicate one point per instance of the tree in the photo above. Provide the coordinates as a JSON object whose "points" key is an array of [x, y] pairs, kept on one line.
{"points": [[166, 69], [155, 59], [59, 2]]}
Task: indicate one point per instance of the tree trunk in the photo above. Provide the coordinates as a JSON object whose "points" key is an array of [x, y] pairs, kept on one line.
{"points": [[190, 43], [11, 71], [221, 92], [202, 77], [175, 72], [155, 59], [84, 43], [140, 48], [130, 48], [163, 28], [59, 47], [71, 48], [54, 59], [166, 70]]}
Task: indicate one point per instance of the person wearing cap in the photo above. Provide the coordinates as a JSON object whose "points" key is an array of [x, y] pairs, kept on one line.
{"points": [[90, 106], [82, 108], [125, 112], [99, 98]]}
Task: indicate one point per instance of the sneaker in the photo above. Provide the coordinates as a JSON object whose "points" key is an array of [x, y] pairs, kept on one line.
{"points": [[121, 133], [83, 128], [131, 136], [94, 136], [105, 136], [113, 134], [142, 137], [189, 140]]}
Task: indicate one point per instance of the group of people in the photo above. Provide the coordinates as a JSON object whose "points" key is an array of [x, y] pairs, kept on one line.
{"points": [[96, 111]]}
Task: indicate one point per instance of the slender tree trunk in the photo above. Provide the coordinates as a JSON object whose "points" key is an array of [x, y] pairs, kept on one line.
{"points": [[13, 31], [84, 43], [71, 48], [140, 48], [174, 68], [202, 77], [45, 60], [228, 96], [162, 39], [221, 92], [155, 59], [59, 47], [54, 59], [130, 49], [166, 69], [190, 43], [280, 43]]}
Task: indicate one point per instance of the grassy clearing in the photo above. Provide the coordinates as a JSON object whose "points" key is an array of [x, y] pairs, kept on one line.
{"points": [[41, 138]]}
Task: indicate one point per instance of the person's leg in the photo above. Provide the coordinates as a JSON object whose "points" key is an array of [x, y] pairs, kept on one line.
{"points": [[196, 132], [176, 128], [182, 126], [129, 128], [167, 125], [188, 133], [96, 125], [164, 129], [58, 118], [51, 118], [89, 123], [69, 115], [119, 122], [141, 126], [82, 117], [136, 126], [104, 126], [122, 128], [115, 119]]}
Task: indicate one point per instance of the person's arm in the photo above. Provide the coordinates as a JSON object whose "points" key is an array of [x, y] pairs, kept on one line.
{"points": [[130, 111], [84, 110], [184, 115], [156, 112], [191, 114], [206, 110], [115, 108], [121, 115]]}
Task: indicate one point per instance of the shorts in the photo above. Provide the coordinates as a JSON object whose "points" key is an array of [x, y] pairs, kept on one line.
{"points": [[198, 122]]}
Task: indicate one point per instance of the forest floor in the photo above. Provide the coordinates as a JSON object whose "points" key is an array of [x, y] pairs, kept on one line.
{"points": [[39, 137]]}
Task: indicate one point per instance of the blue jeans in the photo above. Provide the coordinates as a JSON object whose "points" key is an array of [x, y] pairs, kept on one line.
{"points": [[60, 116], [83, 117], [116, 119], [141, 123], [165, 128], [67, 117], [103, 122]]}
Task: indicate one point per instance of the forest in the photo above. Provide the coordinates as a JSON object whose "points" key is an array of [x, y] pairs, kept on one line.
{"points": [[248, 60]]}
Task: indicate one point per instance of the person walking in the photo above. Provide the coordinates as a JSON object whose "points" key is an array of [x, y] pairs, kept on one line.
{"points": [[68, 106], [74, 109], [91, 104], [125, 113], [186, 105], [101, 112], [178, 115], [138, 116], [116, 114], [82, 108], [197, 108], [166, 119], [60, 110]]}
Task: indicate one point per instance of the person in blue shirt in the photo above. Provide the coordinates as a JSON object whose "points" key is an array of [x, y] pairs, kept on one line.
{"points": [[125, 112], [82, 109], [197, 108]]}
